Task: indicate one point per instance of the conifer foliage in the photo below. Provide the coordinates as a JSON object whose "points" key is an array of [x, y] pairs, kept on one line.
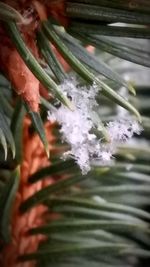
{"points": [[74, 133]]}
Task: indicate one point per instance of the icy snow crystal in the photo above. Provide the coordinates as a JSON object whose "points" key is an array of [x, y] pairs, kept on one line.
{"points": [[77, 126]]}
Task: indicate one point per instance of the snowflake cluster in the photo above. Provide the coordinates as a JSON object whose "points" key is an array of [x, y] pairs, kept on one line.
{"points": [[77, 127]]}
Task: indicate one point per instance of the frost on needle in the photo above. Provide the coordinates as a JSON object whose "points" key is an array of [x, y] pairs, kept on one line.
{"points": [[77, 127]]}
